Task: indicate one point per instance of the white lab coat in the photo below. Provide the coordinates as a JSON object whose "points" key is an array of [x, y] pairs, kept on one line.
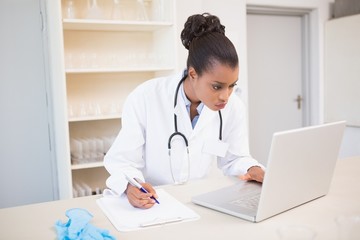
{"points": [[141, 148]]}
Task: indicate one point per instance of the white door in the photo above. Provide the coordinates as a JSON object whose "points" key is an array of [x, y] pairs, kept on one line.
{"points": [[275, 72]]}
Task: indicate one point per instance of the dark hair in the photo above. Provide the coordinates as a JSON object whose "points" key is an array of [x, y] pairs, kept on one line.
{"points": [[204, 37]]}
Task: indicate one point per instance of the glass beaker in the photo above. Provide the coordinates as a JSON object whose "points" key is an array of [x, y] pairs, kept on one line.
{"points": [[94, 11], [158, 11], [117, 10], [69, 10], [141, 14]]}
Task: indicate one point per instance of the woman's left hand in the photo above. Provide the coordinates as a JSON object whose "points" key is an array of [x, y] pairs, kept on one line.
{"points": [[255, 173]]}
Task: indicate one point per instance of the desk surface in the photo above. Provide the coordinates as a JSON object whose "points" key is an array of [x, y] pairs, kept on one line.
{"points": [[37, 221]]}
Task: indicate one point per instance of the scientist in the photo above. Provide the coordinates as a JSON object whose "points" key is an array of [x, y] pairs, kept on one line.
{"points": [[174, 128]]}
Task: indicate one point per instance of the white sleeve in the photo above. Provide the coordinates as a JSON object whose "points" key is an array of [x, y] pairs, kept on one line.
{"points": [[125, 155]]}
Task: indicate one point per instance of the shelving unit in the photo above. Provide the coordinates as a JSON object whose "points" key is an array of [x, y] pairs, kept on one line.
{"points": [[113, 25], [105, 60]]}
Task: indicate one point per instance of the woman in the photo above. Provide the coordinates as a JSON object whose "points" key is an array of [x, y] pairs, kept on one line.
{"points": [[194, 109]]}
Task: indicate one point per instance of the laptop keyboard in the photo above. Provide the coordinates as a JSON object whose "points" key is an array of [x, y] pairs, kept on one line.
{"points": [[248, 201]]}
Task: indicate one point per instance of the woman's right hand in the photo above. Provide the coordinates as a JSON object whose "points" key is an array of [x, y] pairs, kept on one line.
{"points": [[139, 199]]}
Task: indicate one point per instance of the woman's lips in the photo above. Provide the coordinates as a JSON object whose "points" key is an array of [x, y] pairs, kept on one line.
{"points": [[220, 105]]}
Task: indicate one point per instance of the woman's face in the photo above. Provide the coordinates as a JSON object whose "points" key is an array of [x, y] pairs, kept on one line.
{"points": [[214, 86]]}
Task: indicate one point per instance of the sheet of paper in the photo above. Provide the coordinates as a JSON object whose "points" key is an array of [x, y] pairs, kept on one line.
{"points": [[125, 217]]}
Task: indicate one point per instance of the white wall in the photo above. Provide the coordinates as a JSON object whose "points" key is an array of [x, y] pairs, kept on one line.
{"points": [[342, 97], [351, 143]]}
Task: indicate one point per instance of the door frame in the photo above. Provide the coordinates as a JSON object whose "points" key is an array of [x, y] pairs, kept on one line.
{"points": [[310, 81], [49, 97]]}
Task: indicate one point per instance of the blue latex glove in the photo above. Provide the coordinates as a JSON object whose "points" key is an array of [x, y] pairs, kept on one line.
{"points": [[79, 228]]}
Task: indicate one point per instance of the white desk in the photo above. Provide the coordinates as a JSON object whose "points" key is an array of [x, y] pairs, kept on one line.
{"points": [[36, 221]]}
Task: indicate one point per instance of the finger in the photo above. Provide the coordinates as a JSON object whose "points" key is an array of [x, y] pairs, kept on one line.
{"points": [[143, 202], [245, 177], [139, 199], [148, 204], [137, 194], [150, 189]]}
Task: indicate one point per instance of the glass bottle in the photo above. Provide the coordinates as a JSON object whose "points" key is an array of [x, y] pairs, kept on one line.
{"points": [[158, 11], [94, 11], [117, 11], [69, 11], [141, 14]]}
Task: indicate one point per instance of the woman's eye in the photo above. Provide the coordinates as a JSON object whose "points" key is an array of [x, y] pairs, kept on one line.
{"points": [[216, 87]]}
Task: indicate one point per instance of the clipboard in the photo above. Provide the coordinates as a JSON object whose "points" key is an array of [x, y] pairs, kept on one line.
{"points": [[125, 217]]}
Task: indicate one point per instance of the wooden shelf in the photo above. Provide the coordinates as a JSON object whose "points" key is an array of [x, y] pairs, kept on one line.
{"points": [[87, 165], [112, 25], [116, 70], [94, 118], [104, 61]]}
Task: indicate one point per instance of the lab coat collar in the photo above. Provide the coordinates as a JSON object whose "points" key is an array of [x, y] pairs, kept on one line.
{"points": [[173, 82], [205, 118], [184, 122], [183, 119]]}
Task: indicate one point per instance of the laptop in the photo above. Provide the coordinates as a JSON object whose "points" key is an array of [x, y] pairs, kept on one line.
{"points": [[299, 169]]}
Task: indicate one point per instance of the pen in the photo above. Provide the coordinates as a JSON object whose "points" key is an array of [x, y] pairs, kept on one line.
{"points": [[138, 185]]}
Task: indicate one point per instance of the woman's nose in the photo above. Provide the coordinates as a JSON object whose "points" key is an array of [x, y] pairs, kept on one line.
{"points": [[225, 94]]}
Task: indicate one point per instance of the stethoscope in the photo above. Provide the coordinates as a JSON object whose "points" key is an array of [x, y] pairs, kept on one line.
{"points": [[177, 133]]}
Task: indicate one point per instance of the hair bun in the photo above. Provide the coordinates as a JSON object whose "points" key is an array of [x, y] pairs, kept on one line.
{"points": [[198, 25]]}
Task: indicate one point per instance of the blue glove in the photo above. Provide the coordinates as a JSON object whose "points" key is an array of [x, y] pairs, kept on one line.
{"points": [[79, 228]]}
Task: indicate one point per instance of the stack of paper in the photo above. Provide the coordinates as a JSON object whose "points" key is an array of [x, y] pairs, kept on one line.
{"points": [[125, 217]]}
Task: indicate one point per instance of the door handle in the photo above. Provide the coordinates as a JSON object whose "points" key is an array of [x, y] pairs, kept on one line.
{"points": [[299, 99]]}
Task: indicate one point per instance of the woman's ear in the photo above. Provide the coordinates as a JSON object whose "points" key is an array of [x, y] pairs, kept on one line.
{"points": [[192, 73]]}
